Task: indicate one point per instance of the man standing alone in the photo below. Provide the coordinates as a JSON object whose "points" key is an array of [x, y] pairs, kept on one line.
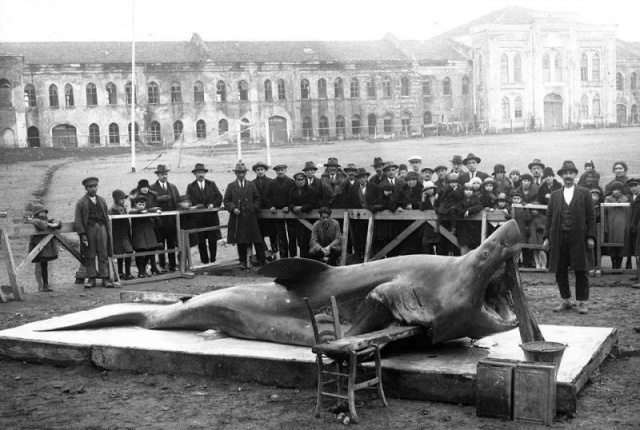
{"points": [[205, 194], [91, 222], [570, 233]]}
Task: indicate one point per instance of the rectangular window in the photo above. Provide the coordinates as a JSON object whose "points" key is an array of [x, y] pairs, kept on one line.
{"points": [[371, 89], [111, 91], [281, 93], [388, 125], [426, 88], [176, 94]]}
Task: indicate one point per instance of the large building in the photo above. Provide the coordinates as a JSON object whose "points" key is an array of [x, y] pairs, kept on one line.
{"points": [[514, 68]]}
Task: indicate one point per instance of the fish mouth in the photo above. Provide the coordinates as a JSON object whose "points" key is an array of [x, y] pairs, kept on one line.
{"points": [[498, 304]]}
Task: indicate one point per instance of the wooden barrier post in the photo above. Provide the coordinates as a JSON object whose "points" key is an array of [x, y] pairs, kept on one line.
{"points": [[8, 259], [345, 238]]}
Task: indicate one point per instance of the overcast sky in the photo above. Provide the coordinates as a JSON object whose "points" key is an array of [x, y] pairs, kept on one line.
{"points": [[110, 20]]}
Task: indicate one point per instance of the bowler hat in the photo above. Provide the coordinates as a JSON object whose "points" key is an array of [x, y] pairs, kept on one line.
{"points": [[299, 174], [332, 162], [324, 210], [37, 208], [240, 167], [362, 172], [351, 168], [91, 180], [440, 167], [411, 175], [199, 168], [184, 198], [471, 156], [567, 166], [162, 169], [280, 166], [499, 168], [415, 159], [537, 162], [429, 169], [377, 161], [118, 195], [143, 183], [547, 171], [457, 159], [633, 181], [388, 165], [259, 164], [309, 165]]}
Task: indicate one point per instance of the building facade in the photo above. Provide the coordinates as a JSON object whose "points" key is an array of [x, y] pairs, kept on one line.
{"points": [[512, 68]]}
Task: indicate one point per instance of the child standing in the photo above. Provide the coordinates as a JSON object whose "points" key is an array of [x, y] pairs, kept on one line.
{"points": [[430, 236], [536, 233], [121, 234], [487, 196], [40, 219], [144, 238], [596, 198], [468, 231]]}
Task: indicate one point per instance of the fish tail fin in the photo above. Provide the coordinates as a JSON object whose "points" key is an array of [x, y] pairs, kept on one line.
{"points": [[107, 316]]}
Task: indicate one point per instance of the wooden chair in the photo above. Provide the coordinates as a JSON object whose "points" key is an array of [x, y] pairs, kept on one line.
{"points": [[336, 369]]}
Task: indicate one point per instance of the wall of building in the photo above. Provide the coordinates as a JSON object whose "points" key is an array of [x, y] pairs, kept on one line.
{"points": [[12, 118]]}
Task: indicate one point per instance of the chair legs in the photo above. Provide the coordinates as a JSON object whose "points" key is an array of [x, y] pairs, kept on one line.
{"points": [[379, 376], [320, 385], [351, 394]]}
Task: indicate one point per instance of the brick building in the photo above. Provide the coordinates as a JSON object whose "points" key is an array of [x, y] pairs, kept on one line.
{"points": [[513, 68]]}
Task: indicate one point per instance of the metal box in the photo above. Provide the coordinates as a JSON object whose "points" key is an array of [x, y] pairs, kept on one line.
{"points": [[534, 393], [494, 388]]}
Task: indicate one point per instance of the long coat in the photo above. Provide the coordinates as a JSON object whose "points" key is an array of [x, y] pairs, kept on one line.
{"points": [[243, 228], [143, 235], [121, 231], [584, 226], [50, 250], [202, 199], [81, 216], [631, 236]]}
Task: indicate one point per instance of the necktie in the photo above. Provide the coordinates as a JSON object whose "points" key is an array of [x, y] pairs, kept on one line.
{"points": [[164, 185], [393, 182], [201, 185]]}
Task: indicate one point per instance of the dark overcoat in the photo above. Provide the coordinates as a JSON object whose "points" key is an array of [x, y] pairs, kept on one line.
{"points": [[143, 234], [631, 236], [202, 199], [50, 250], [584, 226], [243, 228], [278, 191], [121, 231], [81, 217]]}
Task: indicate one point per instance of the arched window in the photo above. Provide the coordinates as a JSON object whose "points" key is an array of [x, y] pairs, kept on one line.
{"points": [[243, 91], [268, 91], [340, 126], [127, 91], [68, 96], [94, 135], [371, 88], [92, 95], [198, 92], [178, 128], [33, 137], [426, 86], [114, 134], [356, 123], [338, 89], [446, 87], [506, 108], [517, 68], [387, 122], [546, 68], [221, 91], [323, 126], [223, 127], [307, 127], [465, 86], [136, 132], [155, 134], [176, 92], [153, 93], [584, 106], [112, 94], [304, 89], [405, 87], [386, 87], [322, 88], [517, 107], [5, 93], [355, 88], [595, 67], [427, 118], [372, 122], [480, 70], [584, 67], [201, 129], [619, 82], [53, 96], [634, 84], [504, 69], [30, 96], [281, 93], [595, 105], [557, 68]]}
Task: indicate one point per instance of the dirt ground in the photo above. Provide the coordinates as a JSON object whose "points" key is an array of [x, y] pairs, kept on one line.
{"points": [[48, 396]]}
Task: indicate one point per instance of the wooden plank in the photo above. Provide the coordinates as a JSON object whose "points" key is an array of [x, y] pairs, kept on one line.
{"points": [[36, 250], [70, 247], [446, 233], [528, 326], [153, 297], [305, 223], [345, 238], [398, 239], [10, 263], [354, 343], [483, 226], [23, 230], [154, 278], [38, 351], [369, 241]]}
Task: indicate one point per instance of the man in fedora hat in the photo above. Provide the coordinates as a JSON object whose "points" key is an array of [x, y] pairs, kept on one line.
{"points": [[242, 200], [456, 164], [365, 195], [570, 233], [278, 197], [351, 170], [536, 167], [471, 163], [377, 165], [204, 194], [167, 196], [267, 226], [322, 189], [91, 221]]}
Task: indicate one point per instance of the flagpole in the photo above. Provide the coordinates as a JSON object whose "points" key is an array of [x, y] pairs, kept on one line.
{"points": [[133, 87]]}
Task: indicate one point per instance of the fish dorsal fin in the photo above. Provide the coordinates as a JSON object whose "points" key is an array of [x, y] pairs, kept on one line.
{"points": [[292, 272]]}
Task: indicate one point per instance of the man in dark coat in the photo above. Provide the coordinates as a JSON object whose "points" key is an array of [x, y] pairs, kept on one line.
{"points": [[471, 163], [242, 200], [632, 227], [205, 194], [302, 198], [277, 195], [365, 195], [91, 221], [378, 165], [167, 196], [570, 232], [322, 189], [267, 226]]}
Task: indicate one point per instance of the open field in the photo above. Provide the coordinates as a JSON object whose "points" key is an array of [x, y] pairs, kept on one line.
{"points": [[40, 396]]}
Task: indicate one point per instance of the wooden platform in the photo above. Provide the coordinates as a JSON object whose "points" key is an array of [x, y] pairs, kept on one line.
{"points": [[445, 373]]}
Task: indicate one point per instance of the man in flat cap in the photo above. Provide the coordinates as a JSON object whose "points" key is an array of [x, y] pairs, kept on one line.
{"points": [[167, 195], [415, 161], [570, 232], [204, 194], [91, 222]]}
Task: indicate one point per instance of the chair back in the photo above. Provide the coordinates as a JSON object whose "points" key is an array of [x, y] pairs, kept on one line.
{"points": [[325, 334]]}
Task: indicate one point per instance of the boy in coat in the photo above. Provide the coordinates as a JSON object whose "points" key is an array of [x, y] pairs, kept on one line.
{"points": [[121, 234], [41, 221], [144, 238]]}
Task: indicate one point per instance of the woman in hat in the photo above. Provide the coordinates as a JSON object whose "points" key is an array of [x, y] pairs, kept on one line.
{"points": [[620, 169], [549, 184], [41, 221], [121, 234], [614, 223], [144, 189], [589, 167], [503, 183], [514, 175], [431, 237]]}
